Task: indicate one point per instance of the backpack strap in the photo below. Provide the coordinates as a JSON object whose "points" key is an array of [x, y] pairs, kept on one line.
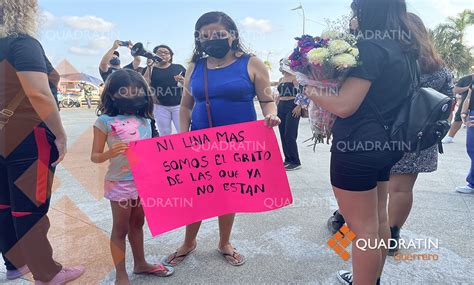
{"points": [[414, 72]]}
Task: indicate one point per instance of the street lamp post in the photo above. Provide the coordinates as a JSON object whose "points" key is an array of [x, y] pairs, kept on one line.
{"points": [[300, 7]]}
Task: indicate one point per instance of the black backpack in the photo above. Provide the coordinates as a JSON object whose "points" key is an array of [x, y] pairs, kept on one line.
{"points": [[422, 121]]}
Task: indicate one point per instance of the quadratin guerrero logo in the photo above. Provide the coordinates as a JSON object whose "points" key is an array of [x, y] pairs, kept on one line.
{"points": [[341, 240]]}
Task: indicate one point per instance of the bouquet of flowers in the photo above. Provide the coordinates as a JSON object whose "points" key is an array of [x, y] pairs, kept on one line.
{"points": [[323, 62]]}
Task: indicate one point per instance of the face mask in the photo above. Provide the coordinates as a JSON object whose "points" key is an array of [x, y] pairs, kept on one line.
{"points": [[130, 105], [114, 61], [216, 48]]}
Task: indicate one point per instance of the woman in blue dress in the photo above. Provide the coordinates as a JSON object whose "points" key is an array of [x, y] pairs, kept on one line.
{"points": [[234, 78]]}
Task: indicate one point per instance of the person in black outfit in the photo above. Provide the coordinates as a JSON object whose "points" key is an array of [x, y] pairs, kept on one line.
{"points": [[32, 143], [359, 169], [289, 114], [166, 81], [461, 88], [111, 62]]}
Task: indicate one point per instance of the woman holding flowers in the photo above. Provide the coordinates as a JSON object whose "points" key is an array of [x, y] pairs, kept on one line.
{"points": [[362, 155]]}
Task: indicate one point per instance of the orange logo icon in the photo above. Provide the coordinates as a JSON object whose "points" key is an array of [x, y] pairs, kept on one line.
{"points": [[341, 240]]}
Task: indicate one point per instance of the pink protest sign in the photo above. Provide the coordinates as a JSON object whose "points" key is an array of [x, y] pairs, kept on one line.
{"points": [[198, 175]]}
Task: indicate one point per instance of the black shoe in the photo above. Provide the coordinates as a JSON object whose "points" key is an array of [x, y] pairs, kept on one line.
{"points": [[394, 241], [335, 222], [286, 163], [345, 277], [291, 167]]}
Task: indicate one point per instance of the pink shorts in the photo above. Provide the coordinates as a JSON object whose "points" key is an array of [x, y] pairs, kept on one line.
{"points": [[120, 190]]}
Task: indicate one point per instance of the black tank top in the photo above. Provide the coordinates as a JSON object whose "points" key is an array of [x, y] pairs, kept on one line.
{"points": [[287, 89]]}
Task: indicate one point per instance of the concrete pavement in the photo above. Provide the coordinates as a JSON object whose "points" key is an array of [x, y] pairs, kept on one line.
{"points": [[284, 246]]}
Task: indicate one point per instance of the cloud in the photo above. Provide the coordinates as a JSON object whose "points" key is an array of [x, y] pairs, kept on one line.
{"points": [[83, 51], [90, 23], [259, 24], [93, 47], [46, 19]]}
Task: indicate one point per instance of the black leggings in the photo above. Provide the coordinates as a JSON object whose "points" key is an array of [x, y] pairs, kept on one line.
{"points": [[289, 131], [26, 178]]}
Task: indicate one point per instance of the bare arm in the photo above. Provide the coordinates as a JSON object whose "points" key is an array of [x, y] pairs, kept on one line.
{"points": [[104, 63], [261, 79], [460, 90], [98, 145], [465, 105], [98, 155], [187, 102], [350, 97], [36, 87]]}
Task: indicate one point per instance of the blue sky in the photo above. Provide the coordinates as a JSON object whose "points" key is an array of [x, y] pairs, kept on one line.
{"points": [[82, 31]]}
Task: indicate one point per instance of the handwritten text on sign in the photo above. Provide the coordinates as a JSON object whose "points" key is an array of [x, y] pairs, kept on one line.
{"points": [[198, 175]]}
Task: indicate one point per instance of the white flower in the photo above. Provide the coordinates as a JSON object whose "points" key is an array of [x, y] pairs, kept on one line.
{"points": [[330, 35], [338, 46], [318, 55], [344, 60], [354, 51]]}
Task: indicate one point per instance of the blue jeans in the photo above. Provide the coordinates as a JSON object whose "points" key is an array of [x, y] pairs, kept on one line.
{"points": [[470, 152]]}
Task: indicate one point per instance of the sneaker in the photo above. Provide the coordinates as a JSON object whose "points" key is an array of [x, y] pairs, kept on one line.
{"points": [[286, 163], [335, 222], [465, 189], [291, 167], [17, 273], [394, 241], [67, 274], [447, 140], [345, 277]]}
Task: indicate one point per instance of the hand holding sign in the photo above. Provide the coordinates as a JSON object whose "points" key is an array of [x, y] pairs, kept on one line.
{"points": [[198, 175]]}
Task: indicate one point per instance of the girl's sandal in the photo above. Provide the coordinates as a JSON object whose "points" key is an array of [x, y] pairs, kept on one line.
{"points": [[159, 270]]}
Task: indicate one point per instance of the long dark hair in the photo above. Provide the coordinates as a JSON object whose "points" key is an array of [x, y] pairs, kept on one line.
{"points": [[216, 18], [388, 18], [165, 47], [124, 78], [430, 60]]}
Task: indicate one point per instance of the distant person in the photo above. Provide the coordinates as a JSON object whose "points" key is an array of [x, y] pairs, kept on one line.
{"points": [[461, 89], [467, 115], [289, 113], [86, 93], [111, 61], [166, 80]]}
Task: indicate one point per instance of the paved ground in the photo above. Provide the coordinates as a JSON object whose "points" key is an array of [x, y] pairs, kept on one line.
{"points": [[285, 246]]}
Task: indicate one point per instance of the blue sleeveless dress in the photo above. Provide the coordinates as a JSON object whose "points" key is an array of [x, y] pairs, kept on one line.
{"points": [[231, 93]]}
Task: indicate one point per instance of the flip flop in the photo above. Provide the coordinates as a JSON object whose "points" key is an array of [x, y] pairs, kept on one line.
{"points": [[160, 270], [233, 255], [174, 260]]}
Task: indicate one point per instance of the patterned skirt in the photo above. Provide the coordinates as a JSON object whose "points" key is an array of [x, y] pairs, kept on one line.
{"points": [[410, 163]]}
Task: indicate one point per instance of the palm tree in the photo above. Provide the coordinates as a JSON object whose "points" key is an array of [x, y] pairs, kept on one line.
{"points": [[449, 37]]}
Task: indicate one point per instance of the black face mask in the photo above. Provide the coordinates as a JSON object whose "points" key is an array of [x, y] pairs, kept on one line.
{"points": [[130, 105], [216, 48]]}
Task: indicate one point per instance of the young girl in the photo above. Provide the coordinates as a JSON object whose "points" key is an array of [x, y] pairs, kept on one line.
{"points": [[125, 115]]}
